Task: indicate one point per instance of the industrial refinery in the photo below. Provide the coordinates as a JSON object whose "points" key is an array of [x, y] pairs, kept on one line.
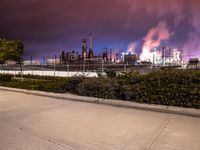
{"points": [[155, 57], [162, 57]]}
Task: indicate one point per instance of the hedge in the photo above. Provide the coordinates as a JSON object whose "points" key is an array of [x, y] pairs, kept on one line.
{"points": [[165, 87]]}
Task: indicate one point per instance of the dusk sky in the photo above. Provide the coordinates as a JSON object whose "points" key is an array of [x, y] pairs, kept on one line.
{"points": [[47, 26]]}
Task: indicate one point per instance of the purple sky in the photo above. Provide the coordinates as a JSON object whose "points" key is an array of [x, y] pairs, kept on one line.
{"points": [[47, 26]]}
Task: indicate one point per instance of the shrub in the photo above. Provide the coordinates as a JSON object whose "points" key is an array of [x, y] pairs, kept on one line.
{"points": [[111, 74], [5, 77], [72, 84], [165, 87], [97, 87]]}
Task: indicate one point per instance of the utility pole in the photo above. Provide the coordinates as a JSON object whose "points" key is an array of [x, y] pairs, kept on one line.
{"points": [[154, 53], [164, 56], [31, 60], [83, 67], [170, 56], [102, 67], [43, 65], [110, 55], [61, 59], [153, 59], [32, 64], [125, 69], [54, 68], [181, 57]]}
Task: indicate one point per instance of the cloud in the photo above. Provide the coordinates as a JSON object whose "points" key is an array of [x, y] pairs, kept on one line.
{"points": [[181, 15], [192, 45], [44, 24], [159, 9]]}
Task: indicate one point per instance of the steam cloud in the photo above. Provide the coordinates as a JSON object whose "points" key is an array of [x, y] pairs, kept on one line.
{"points": [[132, 47], [154, 38], [184, 14]]}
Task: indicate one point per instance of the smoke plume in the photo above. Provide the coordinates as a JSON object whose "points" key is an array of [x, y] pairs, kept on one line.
{"points": [[132, 47], [154, 38], [182, 16]]}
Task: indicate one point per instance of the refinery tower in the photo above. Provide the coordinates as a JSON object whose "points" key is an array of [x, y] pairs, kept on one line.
{"points": [[87, 55], [84, 49], [91, 52]]}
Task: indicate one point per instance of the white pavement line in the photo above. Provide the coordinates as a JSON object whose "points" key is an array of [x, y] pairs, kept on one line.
{"points": [[33, 133]]}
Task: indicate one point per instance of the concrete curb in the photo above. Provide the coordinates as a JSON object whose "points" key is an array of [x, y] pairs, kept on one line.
{"points": [[117, 103]]}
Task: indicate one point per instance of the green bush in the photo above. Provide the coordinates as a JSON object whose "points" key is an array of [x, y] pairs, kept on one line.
{"points": [[165, 87], [72, 84], [5, 77], [97, 87], [37, 77], [111, 74]]}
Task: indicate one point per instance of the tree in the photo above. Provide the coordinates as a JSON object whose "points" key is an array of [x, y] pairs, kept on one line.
{"points": [[11, 50]]}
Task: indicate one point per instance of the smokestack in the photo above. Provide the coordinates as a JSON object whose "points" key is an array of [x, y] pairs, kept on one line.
{"points": [[91, 53], [90, 35], [110, 55], [84, 49]]}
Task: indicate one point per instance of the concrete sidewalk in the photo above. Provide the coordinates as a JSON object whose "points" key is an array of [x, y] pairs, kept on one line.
{"points": [[31, 122], [117, 103]]}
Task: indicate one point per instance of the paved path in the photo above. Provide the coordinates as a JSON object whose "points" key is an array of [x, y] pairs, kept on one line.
{"points": [[29, 122]]}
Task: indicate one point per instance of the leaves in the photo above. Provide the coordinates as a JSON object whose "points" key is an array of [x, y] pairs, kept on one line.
{"points": [[11, 50], [166, 87]]}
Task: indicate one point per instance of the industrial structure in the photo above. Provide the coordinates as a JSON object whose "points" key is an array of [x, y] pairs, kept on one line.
{"points": [[129, 57], [91, 52], [164, 57], [84, 49], [75, 58]]}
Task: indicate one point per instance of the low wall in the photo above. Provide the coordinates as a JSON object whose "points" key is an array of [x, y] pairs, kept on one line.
{"points": [[51, 73]]}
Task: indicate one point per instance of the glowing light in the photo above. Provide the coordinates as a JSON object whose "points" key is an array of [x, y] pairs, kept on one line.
{"points": [[153, 40]]}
